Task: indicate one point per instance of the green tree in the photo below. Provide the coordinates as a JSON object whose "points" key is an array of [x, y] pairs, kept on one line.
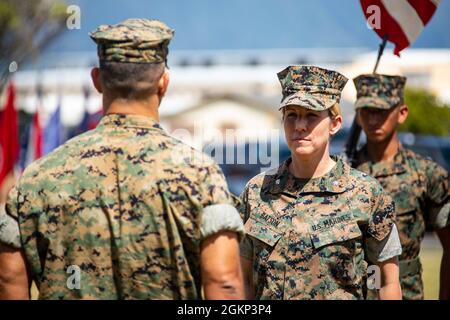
{"points": [[26, 28], [427, 115]]}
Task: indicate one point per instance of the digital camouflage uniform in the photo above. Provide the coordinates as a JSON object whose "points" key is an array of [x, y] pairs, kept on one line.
{"points": [[127, 204], [308, 238], [419, 187]]}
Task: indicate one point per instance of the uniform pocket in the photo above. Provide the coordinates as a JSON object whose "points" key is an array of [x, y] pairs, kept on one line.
{"points": [[335, 234], [405, 194], [262, 231], [269, 267], [340, 255]]}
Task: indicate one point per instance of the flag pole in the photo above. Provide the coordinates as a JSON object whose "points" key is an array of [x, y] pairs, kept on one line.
{"points": [[355, 130], [380, 52]]}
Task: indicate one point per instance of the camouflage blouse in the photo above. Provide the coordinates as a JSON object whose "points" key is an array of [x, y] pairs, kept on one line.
{"points": [[308, 238], [420, 189], [127, 205]]}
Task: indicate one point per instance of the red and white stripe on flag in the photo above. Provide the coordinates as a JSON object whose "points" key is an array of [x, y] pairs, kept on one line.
{"points": [[401, 20]]}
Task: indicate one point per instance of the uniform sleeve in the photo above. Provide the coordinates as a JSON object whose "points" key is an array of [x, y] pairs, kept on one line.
{"points": [[437, 210], [382, 241], [246, 246], [219, 206], [9, 226], [379, 251]]}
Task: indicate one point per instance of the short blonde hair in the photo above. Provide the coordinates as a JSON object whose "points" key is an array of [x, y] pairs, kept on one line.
{"points": [[335, 110]]}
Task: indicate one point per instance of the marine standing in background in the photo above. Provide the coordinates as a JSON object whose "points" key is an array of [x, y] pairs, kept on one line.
{"points": [[140, 214], [419, 187]]}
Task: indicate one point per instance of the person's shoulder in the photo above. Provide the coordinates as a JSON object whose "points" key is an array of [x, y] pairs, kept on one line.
{"points": [[423, 163], [357, 175], [262, 179], [58, 159], [411, 155], [364, 181], [183, 155], [416, 157]]}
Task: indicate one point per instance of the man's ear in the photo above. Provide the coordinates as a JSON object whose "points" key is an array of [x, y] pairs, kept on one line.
{"points": [[336, 124], [95, 75], [402, 114], [163, 84]]}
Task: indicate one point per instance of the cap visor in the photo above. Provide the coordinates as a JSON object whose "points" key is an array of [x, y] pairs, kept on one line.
{"points": [[307, 101], [367, 102]]}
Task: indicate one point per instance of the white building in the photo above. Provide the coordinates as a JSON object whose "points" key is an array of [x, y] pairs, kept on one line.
{"points": [[224, 89]]}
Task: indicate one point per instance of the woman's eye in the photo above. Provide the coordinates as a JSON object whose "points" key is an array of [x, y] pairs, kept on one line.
{"points": [[312, 115], [290, 115]]}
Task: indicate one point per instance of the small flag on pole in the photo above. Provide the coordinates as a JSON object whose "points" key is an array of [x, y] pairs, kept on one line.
{"points": [[53, 132], [401, 20], [35, 146], [9, 135]]}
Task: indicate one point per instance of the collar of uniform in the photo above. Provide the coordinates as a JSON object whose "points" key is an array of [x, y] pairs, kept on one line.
{"points": [[129, 120], [335, 181], [396, 165]]}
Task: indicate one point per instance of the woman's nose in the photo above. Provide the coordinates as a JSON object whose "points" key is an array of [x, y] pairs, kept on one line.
{"points": [[301, 124]]}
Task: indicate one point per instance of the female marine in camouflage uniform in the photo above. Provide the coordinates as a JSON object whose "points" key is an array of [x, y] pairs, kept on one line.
{"points": [[311, 223]]}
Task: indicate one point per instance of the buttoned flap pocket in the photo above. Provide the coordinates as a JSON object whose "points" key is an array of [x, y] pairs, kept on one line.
{"points": [[333, 233], [262, 231], [405, 194]]}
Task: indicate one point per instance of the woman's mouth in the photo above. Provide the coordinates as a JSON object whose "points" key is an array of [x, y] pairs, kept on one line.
{"points": [[300, 138]]}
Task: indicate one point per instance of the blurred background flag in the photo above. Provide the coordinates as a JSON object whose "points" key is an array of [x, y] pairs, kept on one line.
{"points": [[84, 124], [34, 150], [9, 135], [89, 120], [397, 21], [401, 21], [53, 132], [94, 119]]}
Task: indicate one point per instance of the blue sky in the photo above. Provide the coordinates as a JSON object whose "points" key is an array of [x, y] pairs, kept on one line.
{"points": [[248, 24]]}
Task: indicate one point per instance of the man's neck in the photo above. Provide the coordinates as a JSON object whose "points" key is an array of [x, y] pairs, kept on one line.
{"points": [[146, 108], [385, 150]]}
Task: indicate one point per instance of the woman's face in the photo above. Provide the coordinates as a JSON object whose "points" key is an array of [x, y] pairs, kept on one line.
{"points": [[307, 131]]}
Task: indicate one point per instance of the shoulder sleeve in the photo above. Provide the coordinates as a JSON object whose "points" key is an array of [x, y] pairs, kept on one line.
{"points": [[246, 246], [383, 215], [379, 251], [382, 241], [243, 207], [437, 210], [219, 205], [9, 226]]}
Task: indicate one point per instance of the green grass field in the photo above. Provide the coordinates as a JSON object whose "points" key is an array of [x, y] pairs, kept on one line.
{"points": [[431, 262]]}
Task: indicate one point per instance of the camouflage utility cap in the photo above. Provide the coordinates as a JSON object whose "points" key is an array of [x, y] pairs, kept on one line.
{"points": [[379, 91], [311, 87], [133, 40]]}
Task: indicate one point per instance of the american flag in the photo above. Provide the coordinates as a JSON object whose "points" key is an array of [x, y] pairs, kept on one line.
{"points": [[401, 21]]}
